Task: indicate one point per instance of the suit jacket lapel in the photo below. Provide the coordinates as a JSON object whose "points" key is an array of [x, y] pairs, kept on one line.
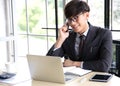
{"points": [[89, 39], [90, 36], [72, 44]]}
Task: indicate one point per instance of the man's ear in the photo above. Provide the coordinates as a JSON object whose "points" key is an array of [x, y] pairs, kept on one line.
{"points": [[87, 15]]}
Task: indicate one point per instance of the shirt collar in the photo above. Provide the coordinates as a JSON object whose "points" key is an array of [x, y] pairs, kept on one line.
{"points": [[85, 33]]}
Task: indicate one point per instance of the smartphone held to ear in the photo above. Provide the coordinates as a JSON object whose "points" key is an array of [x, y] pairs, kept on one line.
{"points": [[68, 29]]}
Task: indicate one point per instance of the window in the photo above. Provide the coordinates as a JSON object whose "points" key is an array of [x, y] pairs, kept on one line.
{"points": [[7, 36], [36, 25], [96, 12], [115, 18]]}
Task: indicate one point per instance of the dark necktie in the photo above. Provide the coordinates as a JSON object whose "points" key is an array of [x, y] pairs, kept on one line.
{"points": [[81, 45]]}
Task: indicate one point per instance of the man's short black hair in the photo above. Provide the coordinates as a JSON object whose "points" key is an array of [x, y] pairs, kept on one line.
{"points": [[75, 7]]}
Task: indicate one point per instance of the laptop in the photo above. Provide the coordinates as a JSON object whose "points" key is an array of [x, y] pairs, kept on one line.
{"points": [[48, 68]]}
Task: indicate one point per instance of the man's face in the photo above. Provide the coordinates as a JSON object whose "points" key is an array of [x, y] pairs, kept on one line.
{"points": [[79, 22]]}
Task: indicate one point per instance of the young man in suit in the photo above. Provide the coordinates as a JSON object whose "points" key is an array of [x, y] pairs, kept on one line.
{"points": [[96, 52]]}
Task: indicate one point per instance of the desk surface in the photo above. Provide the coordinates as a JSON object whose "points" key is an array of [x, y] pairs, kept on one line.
{"points": [[80, 81]]}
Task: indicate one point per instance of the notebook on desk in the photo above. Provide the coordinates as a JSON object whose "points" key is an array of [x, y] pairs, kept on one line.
{"points": [[48, 68]]}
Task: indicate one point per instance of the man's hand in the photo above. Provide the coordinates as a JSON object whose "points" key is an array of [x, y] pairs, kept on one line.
{"points": [[62, 36], [68, 62]]}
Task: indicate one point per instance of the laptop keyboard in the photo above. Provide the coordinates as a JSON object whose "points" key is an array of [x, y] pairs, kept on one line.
{"points": [[69, 76]]}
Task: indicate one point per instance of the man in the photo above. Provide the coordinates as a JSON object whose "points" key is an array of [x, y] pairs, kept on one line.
{"points": [[96, 51]]}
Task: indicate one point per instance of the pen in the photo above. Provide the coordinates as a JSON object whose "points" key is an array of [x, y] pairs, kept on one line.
{"points": [[91, 49]]}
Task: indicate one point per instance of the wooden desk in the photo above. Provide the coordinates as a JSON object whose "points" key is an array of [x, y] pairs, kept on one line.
{"points": [[81, 81]]}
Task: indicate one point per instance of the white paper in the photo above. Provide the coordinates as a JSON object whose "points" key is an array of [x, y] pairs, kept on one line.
{"points": [[76, 70]]}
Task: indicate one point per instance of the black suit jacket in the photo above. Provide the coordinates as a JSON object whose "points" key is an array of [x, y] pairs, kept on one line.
{"points": [[97, 52]]}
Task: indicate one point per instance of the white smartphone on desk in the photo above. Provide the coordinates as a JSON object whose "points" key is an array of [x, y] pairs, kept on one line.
{"points": [[101, 77]]}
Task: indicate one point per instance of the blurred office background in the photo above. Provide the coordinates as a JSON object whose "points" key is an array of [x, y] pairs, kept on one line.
{"points": [[31, 26]]}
